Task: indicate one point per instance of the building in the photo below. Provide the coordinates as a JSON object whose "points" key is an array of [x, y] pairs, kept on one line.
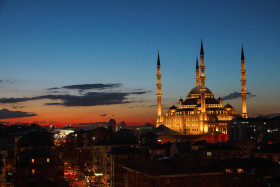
{"points": [[112, 124], [116, 159], [260, 129], [200, 113], [121, 125], [100, 149], [39, 167], [268, 151], [230, 172]]}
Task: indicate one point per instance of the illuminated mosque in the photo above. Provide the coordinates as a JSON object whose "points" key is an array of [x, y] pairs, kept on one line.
{"points": [[200, 113]]}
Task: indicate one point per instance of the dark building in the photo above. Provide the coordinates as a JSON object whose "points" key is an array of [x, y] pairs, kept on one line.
{"points": [[241, 172], [39, 167], [219, 151], [260, 129], [121, 125], [268, 151], [112, 124], [116, 159]]}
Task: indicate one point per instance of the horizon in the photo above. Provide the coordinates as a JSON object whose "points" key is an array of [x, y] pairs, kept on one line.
{"points": [[73, 62]]}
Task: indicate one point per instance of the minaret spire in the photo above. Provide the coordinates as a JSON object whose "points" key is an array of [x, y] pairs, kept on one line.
{"points": [[197, 73], [242, 54], [243, 85], [158, 59], [202, 79], [201, 49], [159, 117]]}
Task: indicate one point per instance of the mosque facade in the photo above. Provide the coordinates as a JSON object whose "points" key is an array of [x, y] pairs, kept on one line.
{"points": [[200, 112]]}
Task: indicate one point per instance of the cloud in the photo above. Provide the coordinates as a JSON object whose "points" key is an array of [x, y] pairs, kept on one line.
{"points": [[82, 87], [7, 81], [165, 107], [133, 107], [58, 92], [87, 99], [54, 88], [53, 104], [15, 107], [152, 106], [236, 95], [104, 115], [6, 114]]}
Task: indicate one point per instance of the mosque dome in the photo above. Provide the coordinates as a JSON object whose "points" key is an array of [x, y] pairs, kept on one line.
{"points": [[228, 106], [173, 108], [196, 90]]}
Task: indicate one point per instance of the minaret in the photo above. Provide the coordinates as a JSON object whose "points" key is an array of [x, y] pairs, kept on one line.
{"points": [[220, 101], [202, 79], [243, 85], [197, 74], [159, 118]]}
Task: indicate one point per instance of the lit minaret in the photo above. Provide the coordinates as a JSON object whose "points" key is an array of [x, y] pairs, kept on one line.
{"points": [[202, 79], [159, 118], [243, 85], [197, 74]]}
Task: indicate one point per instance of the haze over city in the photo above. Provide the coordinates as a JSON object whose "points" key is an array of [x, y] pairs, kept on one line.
{"points": [[66, 62]]}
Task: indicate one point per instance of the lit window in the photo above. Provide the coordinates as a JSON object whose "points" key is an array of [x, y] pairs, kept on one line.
{"points": [[209, 153], [33, 171], [240, 170], [48, 160], [93, 138], [76, 135], [32, 160], [228, 170]]}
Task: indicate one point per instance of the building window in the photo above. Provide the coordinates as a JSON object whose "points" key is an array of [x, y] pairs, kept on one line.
{"points": [[48, 160], [93, 138], [209, 153], [228, 170], [240, 170], [32, 160], [33, 171]]}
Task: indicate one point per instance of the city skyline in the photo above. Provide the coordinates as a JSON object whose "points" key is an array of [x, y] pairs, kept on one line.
{"points": [[78, 62]]}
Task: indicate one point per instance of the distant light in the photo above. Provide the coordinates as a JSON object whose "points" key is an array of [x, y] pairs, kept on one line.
{"points": [[228, 170], [98, 174], [240, 170]]}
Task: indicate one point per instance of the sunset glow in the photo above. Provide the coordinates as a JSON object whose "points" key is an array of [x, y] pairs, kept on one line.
{"points": [[70, 62]]}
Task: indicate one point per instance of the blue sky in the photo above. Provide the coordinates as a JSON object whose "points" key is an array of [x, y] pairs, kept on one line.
{"points": [[45, 44]]}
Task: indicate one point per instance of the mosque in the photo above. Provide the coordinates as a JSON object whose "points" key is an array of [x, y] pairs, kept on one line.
{"points": [[200, 113]]}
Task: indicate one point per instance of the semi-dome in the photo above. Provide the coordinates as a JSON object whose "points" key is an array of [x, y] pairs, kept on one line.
{"points": [[196, 90], [173, 108], [228, 106]]}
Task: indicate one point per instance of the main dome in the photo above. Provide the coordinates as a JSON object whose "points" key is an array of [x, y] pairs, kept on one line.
{"points": [[196, 90]]}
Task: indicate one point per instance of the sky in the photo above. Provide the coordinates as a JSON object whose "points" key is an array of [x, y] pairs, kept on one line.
{"points": [[81, 61]]}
